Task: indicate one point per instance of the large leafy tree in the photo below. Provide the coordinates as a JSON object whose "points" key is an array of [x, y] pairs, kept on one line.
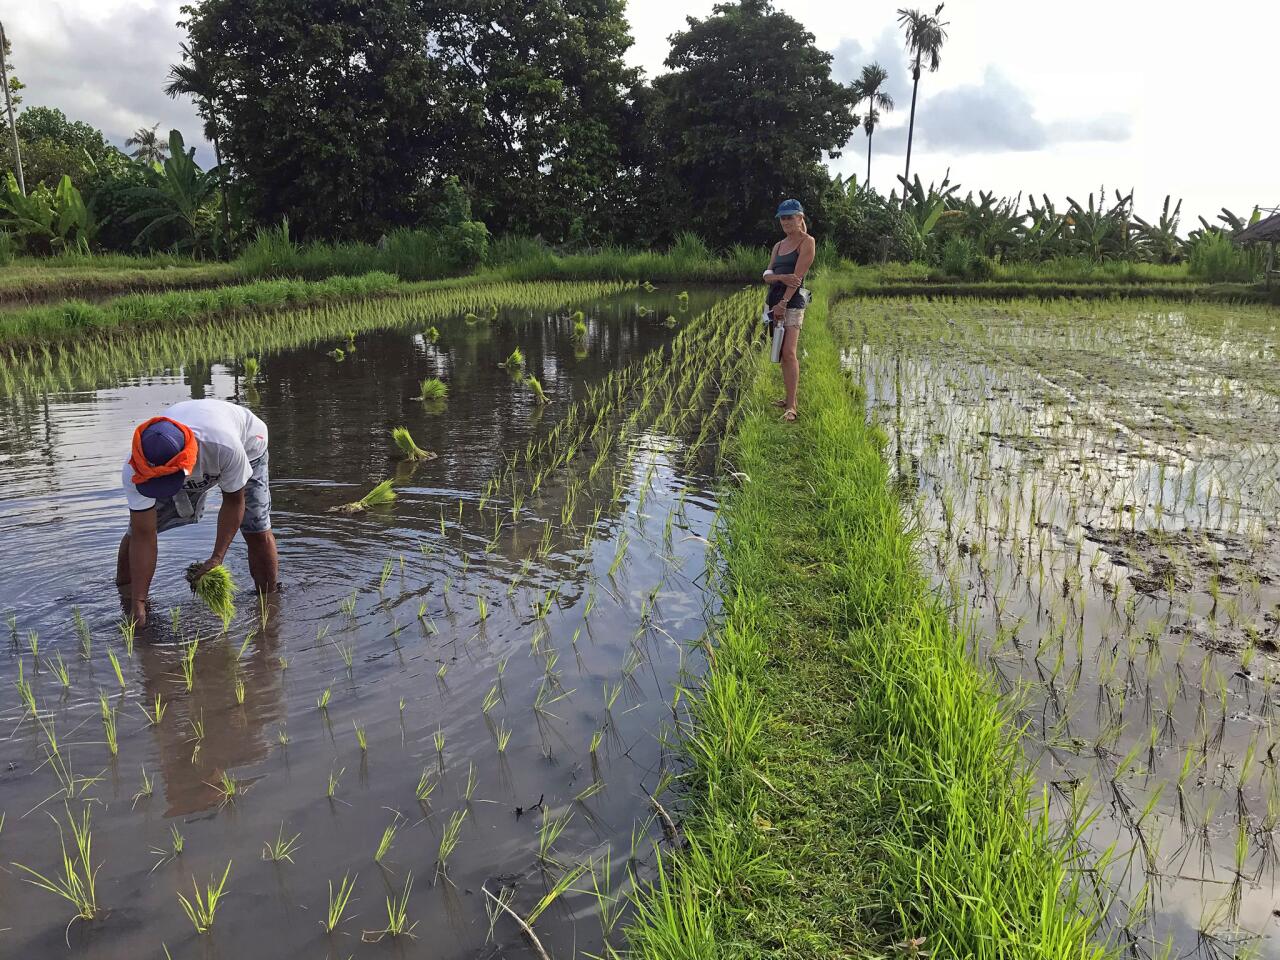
{"points": [[53, 146], [331, 112], [925, 34], [542, 109], [745, 117]]}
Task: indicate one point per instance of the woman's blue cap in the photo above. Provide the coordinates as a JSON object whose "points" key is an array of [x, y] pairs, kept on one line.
{"points": [[789, 207]]}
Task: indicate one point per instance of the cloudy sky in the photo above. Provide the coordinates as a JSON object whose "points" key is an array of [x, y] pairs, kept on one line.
{"points": [[1031, 97]]}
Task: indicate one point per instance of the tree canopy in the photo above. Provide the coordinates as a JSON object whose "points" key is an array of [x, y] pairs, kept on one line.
{"points": [[745, 116], [53, 146]]}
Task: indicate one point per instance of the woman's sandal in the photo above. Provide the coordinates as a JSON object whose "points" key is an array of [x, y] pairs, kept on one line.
{"points": [[789, 416], [780, 404]]}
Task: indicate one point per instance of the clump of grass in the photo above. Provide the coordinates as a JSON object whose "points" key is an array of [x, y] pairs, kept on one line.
{"points": [[216, 589], [410, 449], [338, 901], [379, 495], [77, 883], [432, 389], [535, 385], [203, 908]]}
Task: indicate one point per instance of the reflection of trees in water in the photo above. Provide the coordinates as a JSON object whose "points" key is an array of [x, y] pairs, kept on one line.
{"points": [[234, 734]]}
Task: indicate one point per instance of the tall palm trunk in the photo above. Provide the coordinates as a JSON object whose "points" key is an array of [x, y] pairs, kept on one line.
{"points": [[222, 199], [911, 125], [869, 161]]}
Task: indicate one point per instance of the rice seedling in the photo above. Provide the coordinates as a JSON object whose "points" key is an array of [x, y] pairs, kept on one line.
{"points": [[482, 608], [579, 331], [281, 848], [216, 588], [515, 362], [360, 737], [77, 882], [147, 788], [60, 671], [322, 701], [411, 450], [442, 670], [438, 739], [334, 779], [379, 495], [426, 786], [596, 738], [109, 729], [33, 644], [282, 737], [535, 386], [196, 723], [250, 368], [385, 843], [115, 666], [503, 736], [338, 901], [82, 632], [449, 838], [398, 924], [549, 831], [239, 690], [609, 908], [348, 653], [202, 908], [228, 788]]}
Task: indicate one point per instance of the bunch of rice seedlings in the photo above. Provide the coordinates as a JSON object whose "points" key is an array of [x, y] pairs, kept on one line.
{"points": [[382, 493], [250, 369], [410, 449], [338, 354], [669, 322], [515, 362], [432, 388], [216, 589], [533, 384], [579, 330]]}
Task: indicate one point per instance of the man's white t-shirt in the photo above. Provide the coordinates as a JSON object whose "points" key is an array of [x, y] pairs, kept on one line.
{"points": [[228, 437]]}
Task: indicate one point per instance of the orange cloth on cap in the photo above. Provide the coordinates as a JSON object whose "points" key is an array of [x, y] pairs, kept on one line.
{"points": [[184, 459]]}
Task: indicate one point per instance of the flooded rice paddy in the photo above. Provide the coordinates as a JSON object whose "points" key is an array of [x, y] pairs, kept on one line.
{"points": [[1097, 491], [468, 689]]}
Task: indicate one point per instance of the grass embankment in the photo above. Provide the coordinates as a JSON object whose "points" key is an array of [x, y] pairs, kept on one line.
{"points": [[40, 281], [74, 318], [855, 782]]}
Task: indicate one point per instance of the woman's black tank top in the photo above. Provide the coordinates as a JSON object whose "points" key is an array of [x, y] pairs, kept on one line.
{"points": [[785, 263]]}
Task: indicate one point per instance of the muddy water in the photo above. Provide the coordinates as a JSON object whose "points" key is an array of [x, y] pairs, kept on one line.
{"points": [[456, 638], [1097, 489]]}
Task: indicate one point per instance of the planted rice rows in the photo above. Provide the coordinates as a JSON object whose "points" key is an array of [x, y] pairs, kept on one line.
{"points": [[613, 455], [1097, 489]]}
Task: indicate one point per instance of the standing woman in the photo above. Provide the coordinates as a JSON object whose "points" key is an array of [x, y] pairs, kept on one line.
{"points": [[791, 260]]}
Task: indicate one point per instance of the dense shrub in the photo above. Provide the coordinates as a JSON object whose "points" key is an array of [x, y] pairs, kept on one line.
{"points": [[1216, 259]]}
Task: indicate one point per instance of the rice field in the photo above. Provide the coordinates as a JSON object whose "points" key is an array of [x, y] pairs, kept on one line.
{"points": [[1095, 488], [452, 734]]}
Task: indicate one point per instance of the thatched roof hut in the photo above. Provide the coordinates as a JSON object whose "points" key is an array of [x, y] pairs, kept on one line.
{"points": [[1264, 231]]}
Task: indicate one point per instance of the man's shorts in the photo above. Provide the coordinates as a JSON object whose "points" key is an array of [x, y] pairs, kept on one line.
{"points": [[184, 508]]}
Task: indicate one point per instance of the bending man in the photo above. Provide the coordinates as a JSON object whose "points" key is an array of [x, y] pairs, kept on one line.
{"points": [[176, 460]]}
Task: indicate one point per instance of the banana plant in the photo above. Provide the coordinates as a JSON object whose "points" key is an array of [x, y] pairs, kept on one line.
{"points": [[1159, 242], [1098, 232], [48, 221], [181, 195]]}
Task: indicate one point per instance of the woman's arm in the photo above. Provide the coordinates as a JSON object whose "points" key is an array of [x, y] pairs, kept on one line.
{"points": [[769, 277], [808, 250]]}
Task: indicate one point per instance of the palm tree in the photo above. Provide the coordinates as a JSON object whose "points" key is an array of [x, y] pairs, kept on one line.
{"points": [[925, 36], [193, 78], [867, 87], [150, 148]]}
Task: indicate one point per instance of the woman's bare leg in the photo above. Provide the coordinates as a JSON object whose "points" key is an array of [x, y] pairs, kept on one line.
{"points": [[790, 367]]}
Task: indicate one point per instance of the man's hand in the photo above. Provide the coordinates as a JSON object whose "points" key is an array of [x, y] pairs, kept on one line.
{"points": [[138, 612], [198, 570]]}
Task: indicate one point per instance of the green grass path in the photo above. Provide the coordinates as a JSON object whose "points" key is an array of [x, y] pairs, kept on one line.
{"points": [[854, 782]]}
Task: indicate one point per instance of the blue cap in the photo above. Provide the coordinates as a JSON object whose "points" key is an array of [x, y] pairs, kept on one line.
{"points": [[789, 207], [161, 442]]}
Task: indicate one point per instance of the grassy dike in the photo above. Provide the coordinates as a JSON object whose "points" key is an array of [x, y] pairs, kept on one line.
{"points": [[854, 781]]}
